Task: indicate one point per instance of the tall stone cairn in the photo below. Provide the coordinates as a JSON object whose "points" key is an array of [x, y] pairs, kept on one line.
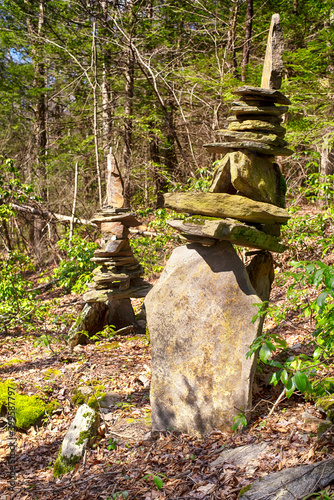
{"points": [[200, 313], [118, 275]]}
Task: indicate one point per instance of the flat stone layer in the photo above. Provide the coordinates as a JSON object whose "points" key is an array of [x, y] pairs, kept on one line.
{"points": [[229, 230], [267, 94], [257, 147], [127, 219], [257, 125], [134, 291], [224, 205], [241, 108], [199, 317], [270, 139]]}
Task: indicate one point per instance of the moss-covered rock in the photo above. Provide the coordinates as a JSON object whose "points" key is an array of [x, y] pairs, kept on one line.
{"points": [[326, 404], [80, 435], [28, 410], [90, 394]]}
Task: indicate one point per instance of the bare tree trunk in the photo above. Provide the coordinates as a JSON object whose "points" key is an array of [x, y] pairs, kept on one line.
{"points": [[40, 121], [248, 36], [231, 39], [128, 107], [326, 169], [106, 92], [95, 131], [74, 201]]}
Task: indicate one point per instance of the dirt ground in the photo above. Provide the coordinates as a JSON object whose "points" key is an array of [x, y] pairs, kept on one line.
{"points": [[125, 460]]}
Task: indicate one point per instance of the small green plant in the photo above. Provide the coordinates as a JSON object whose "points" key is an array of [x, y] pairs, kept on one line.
{"points": [[239, 421], [300, 372], [113, 443], [157, 479]]}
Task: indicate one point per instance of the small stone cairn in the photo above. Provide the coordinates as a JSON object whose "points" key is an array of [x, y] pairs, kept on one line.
{"points": [[200, 312], [117, 277]]}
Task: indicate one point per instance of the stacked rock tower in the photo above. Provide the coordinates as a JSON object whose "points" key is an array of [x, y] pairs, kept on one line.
{"points": [[200, 312], [117, 277]]}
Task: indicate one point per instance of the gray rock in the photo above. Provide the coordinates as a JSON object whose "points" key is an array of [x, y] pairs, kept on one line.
{"points": [[257, 178], [291, 484], [221, 181], [224, 205], [273, 61], [91, 320], [199, 316], [80, 434], [262, 137], [241, 456], [256, 147], [257, 125], [265, 94], [227, 230], [262, 274], [242, 108]]}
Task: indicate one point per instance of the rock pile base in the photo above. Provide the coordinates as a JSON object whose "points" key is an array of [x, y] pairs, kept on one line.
{"points": [[199, 317]]}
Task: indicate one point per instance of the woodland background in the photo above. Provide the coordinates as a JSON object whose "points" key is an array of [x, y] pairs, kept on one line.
{"points": [[151, 82]]}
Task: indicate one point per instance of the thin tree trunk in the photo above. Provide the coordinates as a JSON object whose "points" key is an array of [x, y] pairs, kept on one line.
{"points": [[231, 39], [40, 120], [95, 131], [106, 91], [128, 107], [74, 201], [248, 36], [326, 169]]}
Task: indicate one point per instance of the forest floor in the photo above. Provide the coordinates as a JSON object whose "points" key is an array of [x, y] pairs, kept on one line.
{"points": [[125, 459]]}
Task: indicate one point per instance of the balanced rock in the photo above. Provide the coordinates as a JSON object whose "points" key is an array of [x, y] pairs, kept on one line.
{"points": [[260, 93], [243, 108], [261, 125], [221, 182], [265, 138], [256, 147], [224, 205], [256, 177], [199, 317], [273, 62], [227, 230]]}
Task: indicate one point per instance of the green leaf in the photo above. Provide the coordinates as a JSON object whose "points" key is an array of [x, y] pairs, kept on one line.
{"points": [[321, 299], [158, 482], [317, 353], [302, 382], [284, 377], [240, 419], [264, 353]]}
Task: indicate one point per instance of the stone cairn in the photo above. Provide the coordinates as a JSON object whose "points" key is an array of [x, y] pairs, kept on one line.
{"points": [[117, 277], [200, 311]]}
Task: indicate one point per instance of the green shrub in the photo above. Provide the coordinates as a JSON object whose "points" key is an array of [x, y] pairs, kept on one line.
{"points": [[76, 268]]}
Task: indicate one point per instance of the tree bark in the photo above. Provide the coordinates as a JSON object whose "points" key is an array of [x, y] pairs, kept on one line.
{"points": [[248, 36], [128, 107]]}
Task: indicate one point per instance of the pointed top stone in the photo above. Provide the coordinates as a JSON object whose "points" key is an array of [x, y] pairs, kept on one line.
{"points": [[114, 196], [273, 62]]}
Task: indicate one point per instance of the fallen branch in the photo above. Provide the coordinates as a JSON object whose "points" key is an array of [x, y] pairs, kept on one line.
{"points": [[46, 214]]}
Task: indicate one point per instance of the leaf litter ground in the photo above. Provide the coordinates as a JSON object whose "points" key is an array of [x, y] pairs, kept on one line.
{"points": [[125, 461]]}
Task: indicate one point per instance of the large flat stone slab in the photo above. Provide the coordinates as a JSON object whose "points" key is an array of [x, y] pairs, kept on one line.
{"points": [[256, 147], [265, 138], [247, 92], [229, 230], [224, 206], [199, 316], [257, 125]]}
